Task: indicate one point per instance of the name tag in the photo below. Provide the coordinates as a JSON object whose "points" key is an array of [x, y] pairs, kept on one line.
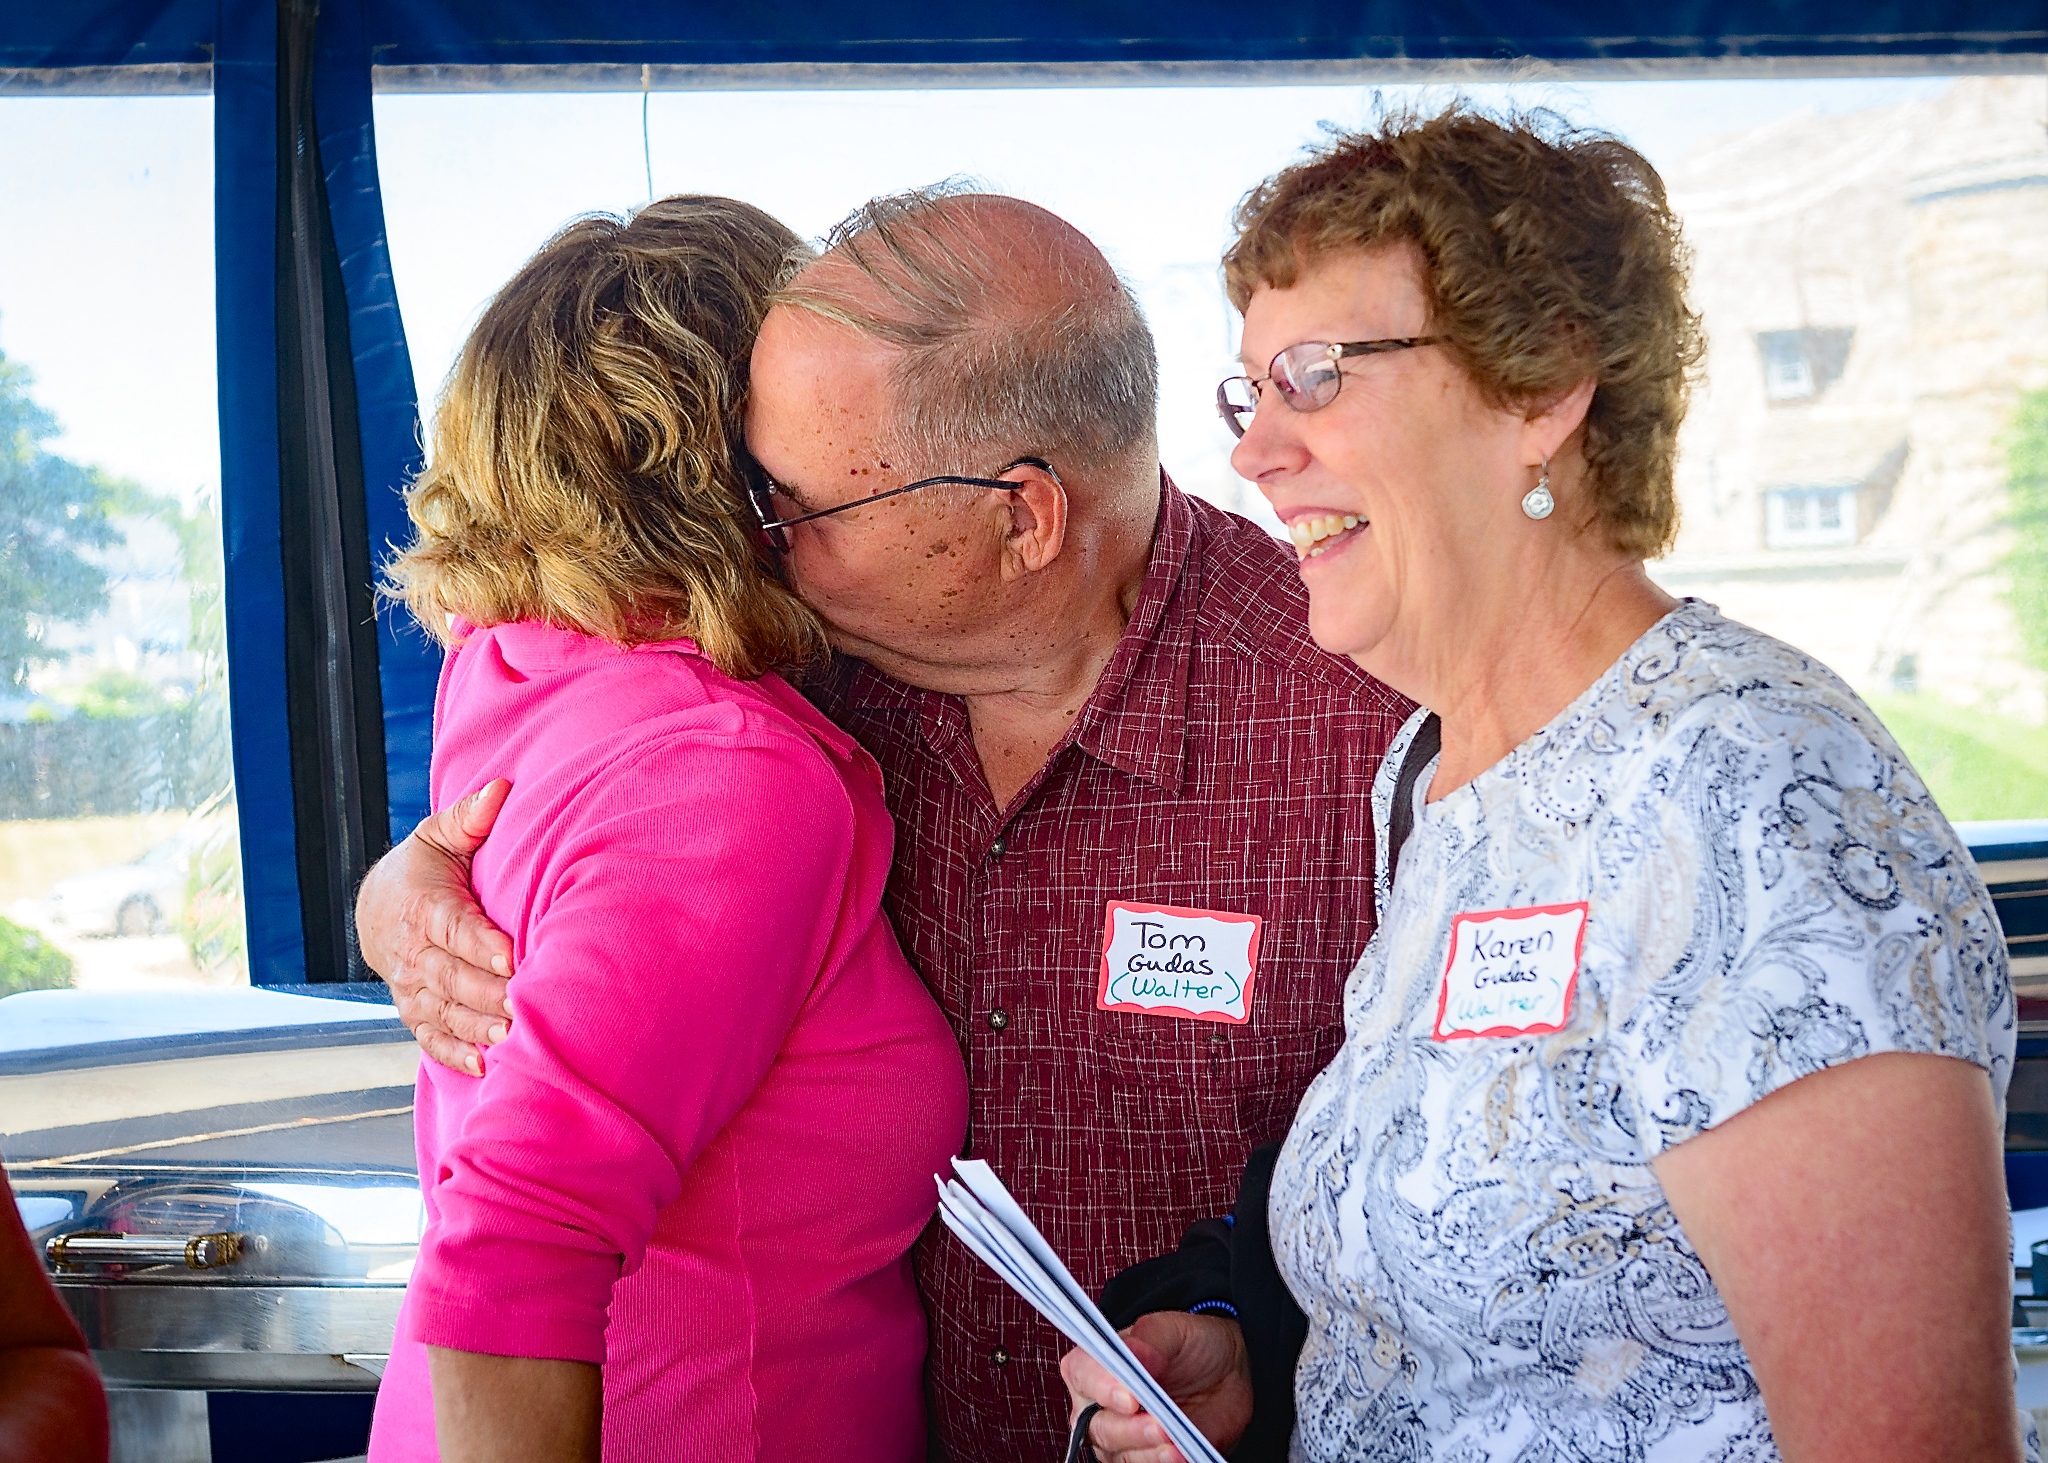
{"points": [[1196, 964], [1511, 972]]}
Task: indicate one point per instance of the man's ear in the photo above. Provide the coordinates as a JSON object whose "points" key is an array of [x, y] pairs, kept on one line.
{"points": [[1037, 513]]}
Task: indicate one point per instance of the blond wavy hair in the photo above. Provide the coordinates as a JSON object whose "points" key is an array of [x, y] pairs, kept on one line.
{"points": [[587, 466], [1550, 254]]}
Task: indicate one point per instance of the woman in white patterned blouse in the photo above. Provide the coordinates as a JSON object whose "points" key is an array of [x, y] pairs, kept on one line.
{"points": [[1667, 1123]]}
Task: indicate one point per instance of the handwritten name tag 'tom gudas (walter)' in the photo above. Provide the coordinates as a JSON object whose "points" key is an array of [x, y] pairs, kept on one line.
{"points": [[1195, 964], [1510, 972]]}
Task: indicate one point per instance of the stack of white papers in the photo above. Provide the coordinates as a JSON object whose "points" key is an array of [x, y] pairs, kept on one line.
{"points": [[980, 1210]]}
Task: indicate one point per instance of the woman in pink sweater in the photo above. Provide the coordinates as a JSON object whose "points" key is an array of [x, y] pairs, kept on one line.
{"points": [[672, 1217]]}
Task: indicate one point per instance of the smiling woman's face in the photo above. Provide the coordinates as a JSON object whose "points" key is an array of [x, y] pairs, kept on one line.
{"points": [[1409, 449]]}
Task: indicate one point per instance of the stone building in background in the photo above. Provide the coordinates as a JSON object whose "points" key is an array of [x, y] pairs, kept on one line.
{"points": [[1875, 292]]}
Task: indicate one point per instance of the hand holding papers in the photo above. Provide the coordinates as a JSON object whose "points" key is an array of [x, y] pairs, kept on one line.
{"points": [[980, 1210]]}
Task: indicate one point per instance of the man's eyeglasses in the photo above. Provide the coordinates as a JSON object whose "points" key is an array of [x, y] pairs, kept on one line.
{"points": [[761, 490], [1307, 376]]}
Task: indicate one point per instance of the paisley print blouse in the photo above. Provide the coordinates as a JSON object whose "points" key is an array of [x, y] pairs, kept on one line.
{"points": [[1489, 1267]]}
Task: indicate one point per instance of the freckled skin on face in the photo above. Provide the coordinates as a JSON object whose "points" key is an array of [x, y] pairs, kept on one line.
{"points": [[887, 578], [1012, 598]]}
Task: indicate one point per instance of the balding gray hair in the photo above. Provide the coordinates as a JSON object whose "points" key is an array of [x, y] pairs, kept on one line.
{"points": [[995, 362]]}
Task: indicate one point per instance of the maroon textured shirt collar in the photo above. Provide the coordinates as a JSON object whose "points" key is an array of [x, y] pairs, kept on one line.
{"points": [[1137, 719], [1134, 720]]}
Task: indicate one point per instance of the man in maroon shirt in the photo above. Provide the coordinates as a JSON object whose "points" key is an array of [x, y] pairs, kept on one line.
{"points": [[1087, 692]]}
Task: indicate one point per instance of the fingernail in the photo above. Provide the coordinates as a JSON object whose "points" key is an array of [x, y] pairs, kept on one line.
{"points": [[498, 963], [473, 1064], [497, 1033]]}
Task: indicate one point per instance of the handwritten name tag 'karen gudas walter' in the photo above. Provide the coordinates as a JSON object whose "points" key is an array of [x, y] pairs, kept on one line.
{"points": [[1196, 964], [1510, 972]]}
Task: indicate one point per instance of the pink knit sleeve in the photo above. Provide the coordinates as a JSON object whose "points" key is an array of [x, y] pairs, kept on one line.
{"points": [[681, 924]]}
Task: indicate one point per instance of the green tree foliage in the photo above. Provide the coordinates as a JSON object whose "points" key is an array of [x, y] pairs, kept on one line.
{"points": [[212, 923], [28, 962], [2026, 459], [53, 514], [122, 693], [212, 919]]}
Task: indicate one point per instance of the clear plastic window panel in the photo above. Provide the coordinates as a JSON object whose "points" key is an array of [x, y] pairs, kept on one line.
{"points": [[1864, 470], [118, 854]]}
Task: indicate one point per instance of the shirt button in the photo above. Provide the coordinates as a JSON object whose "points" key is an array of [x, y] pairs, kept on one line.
{"points": [[998, 1019], [1000, 847], [999, 1356]]}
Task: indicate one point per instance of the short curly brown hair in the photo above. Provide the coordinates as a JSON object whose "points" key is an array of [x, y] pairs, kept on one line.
{"points": [[1550, 253], [588, 466]]}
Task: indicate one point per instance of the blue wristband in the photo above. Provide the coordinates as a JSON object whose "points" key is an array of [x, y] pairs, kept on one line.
{"points": [[1213, 1307]]}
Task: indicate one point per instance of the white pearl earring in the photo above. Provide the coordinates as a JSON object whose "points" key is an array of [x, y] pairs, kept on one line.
{"points": [[1537, 502]]}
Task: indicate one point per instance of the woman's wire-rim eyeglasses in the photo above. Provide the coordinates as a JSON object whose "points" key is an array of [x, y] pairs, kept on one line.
{"points": [[761, 489], [1307, 376]]}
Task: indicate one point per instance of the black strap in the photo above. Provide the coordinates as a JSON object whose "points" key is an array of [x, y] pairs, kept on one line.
{"points": [[1079, 1449], [1429, 740], [1273, 1325], [1231, 1261]]}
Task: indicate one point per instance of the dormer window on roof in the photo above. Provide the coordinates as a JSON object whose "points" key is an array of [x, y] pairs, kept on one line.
{"points": [[1800, 364]]}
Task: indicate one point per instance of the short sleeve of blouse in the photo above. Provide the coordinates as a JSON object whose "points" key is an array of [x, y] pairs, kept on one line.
{"points": [[1788, 898]]}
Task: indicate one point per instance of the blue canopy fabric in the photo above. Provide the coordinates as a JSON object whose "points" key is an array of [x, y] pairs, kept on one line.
{"points": [[544, 32], [245, 295], [114, 33], [558, 32], [408, 663], [240, 40]]}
